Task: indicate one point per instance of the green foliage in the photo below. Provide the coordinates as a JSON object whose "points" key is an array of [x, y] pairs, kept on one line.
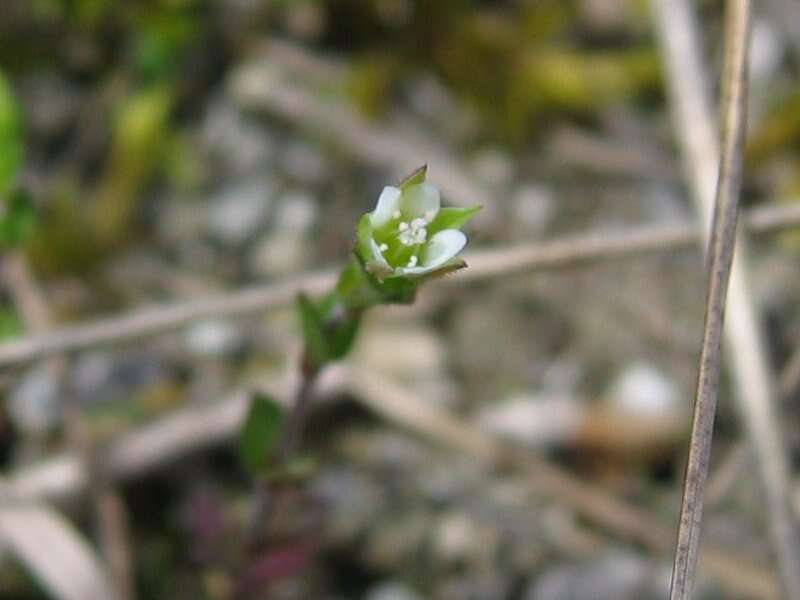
{"points": [[371, 81], [17, 216], [317, 345], [778, 129], [140, 133], [161, 39], [10, 324], [260, 432], [11, 142], [64, 240], [17, 220], [329, 330]]}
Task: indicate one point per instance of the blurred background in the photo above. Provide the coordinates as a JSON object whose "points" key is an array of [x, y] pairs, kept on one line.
{"points": [[174, 171]]}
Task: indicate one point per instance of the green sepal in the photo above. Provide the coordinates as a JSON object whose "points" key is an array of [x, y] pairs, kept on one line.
{"points": [[451, 266], [452, 218], [260, 433], [17, 219], [416, 176], [363, 237], [398, 290], [359, 288]]}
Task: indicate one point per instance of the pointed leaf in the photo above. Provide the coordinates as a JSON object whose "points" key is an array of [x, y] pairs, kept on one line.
{"points": [[260, 433]]}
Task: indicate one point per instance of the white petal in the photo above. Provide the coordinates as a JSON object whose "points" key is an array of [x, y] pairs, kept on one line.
{"points": [[443, 246], [419, 200], [376, 253], [388, 202]]}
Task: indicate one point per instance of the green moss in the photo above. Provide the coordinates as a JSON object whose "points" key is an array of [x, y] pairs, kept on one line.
{"points": [[64, 241], [777, 130], [140, 135], [371, 81], [11, 140]]}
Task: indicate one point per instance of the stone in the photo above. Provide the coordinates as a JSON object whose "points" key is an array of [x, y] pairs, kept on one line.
{"points": [[213, 338], [391, 590], [33, 404], [643, 390], [613, 576], [238, 211], [532, 420]]}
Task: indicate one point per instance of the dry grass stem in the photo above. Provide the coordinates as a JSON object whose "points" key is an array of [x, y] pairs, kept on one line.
{"points": [[746, 353], [719, 259]]}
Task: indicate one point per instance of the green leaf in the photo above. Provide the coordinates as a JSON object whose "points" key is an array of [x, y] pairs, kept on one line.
{"points": [[11, 143], [317, 348], [344, 336], [17, 220], [260, 433], [452, 218], [416, 176], [341, 323]]}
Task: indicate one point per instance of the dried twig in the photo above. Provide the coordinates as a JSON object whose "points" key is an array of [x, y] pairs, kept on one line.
{"points": [[747, 354], [569, 250], [720, 257]]}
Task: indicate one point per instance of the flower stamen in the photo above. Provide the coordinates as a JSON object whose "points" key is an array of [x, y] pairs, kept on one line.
{"points": [[416, 233]]}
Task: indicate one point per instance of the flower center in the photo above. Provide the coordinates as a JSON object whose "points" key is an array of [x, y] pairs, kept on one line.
{"points": [[414, 233]]}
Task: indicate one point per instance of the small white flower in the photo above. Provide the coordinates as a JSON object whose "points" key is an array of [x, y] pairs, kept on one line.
{"points": [[409, 234]]}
